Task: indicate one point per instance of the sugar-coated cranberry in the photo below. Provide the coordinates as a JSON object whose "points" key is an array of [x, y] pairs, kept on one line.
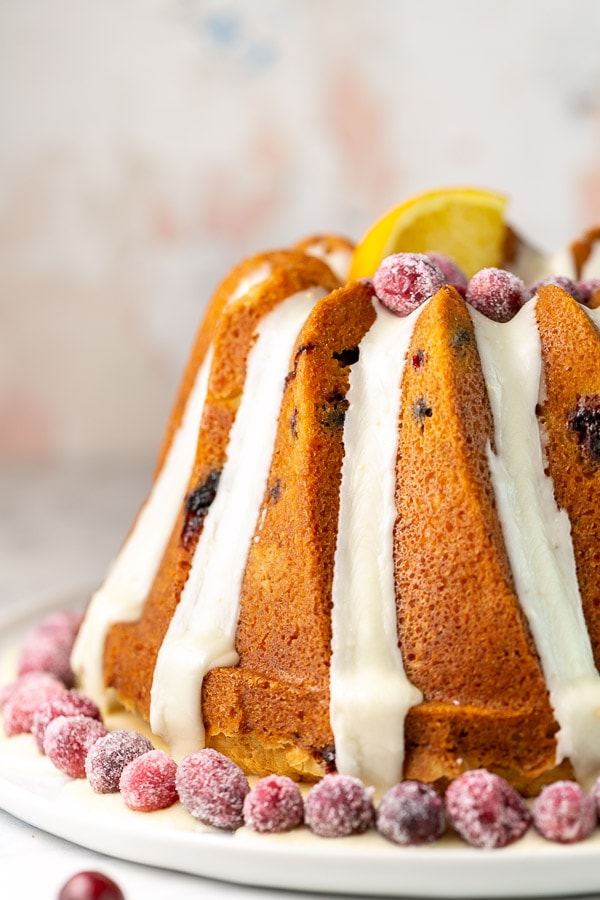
{"points": [[25, 696], [90, 886], [452, 272], [406, 280], [338, 806], [147, 783], [274, 804], [497, 294], [67, 741], [563, 812], [212, 788], [590, 291], [47, 647], [69, 703], [562, 281], [486, 810], [411, 813], [109, 756]]}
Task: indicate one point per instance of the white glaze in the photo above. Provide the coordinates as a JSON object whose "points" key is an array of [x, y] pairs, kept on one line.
{"points": [[201, 634], [370, 693], [538, 534]]}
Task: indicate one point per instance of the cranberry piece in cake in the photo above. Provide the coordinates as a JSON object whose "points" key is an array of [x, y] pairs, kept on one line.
{"points": [[147, 783], [486, 810], [497, 294], [25, 696], [67, 741], [563, 812], [212, 788], [406, 280], [90, 886], [411, 813], [69, 703], [274, 804], [339, 806], [109, 756]]}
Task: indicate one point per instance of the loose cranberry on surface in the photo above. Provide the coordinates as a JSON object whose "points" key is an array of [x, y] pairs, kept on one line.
{"points": [[497, 294], [109, 756], [411, 813], [274, 804], [24, 697], [69, 703], [67, 741], [212, 788], [406, 280], [147, 783], [563, 812], [590, 291], [90, 886], [338, 806], [452, 272], [47, 647], [486, 810], [562, 281]]}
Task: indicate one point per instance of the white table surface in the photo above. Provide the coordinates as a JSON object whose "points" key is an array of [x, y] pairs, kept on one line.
{"points": [[59, 529]]}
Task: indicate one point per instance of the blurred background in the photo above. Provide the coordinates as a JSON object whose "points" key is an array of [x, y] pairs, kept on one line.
{"points": [[147, 145]]}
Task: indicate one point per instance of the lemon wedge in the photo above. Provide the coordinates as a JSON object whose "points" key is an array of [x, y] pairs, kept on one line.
{"points": [[466, 224]]}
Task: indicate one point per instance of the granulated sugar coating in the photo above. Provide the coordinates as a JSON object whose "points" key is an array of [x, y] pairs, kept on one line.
{"points": [[147, 783], [486, 810], [67, 741], [69, 703], [497, 294], [563, 812], [339, 806], [212, 788], [274, 804], [23, 698], [47, 648], [404, 281], [108, 758], [411, 813]]}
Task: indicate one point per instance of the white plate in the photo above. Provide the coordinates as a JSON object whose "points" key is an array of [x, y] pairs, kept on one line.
{"points": [[33, 790]]}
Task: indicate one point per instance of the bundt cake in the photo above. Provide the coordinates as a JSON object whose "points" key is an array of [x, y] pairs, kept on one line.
{"points": [[372, 544]]}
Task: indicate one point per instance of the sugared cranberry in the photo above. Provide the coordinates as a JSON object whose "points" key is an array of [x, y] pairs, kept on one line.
{"points": [[147, 783], [90, 886], [411, 813], [590, 291], [27, 694], [496, 293], [406, 280], [69, 703], [212, 788], [274, 804], [486, 810], [452, 272], [563, 812], [562, 281], [67, 741], [47, 648], [338, 806], [109, 756]]}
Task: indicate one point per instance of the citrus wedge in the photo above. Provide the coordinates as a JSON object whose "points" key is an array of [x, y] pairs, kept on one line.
{"points": [[465, 224]]}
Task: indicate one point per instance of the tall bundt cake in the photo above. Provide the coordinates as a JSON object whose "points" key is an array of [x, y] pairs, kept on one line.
{"points": [[372, 544]]}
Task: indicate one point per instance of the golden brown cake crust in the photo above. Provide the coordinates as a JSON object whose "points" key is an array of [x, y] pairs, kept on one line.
{"points": [[464, 639]]}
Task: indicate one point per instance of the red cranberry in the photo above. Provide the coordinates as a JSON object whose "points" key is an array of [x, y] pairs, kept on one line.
{"points": [[562, 281], [452, 272], [564, 812], [24, 697], [90, 886], [274, 804], [406, 280], [69, 703], [212, 788], [109, 756], [486, 810], [339, 806], [47, 648], [67, 741], [497, 294], [411, 813], [590, 290], [147, 783]]}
